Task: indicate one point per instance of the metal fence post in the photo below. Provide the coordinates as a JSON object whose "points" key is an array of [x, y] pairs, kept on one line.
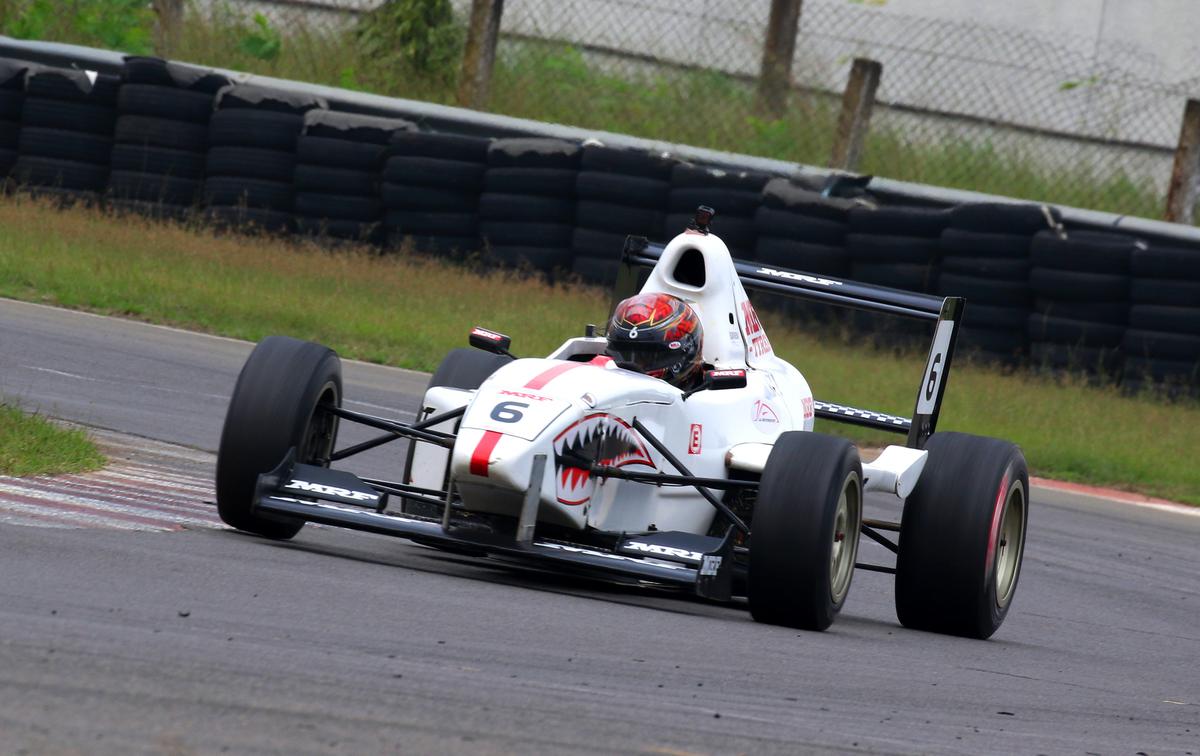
{"points": [[779, 47], [479, 56], [1181, 196], [855, 119], [168, 24]]}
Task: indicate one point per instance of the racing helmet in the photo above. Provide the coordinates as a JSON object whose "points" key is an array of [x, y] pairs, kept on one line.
{"points": [[658, 334]]}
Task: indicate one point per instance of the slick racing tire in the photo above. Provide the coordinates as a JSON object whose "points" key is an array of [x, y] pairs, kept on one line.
{"points": [[460, 369], [962, 536], [276, 406], [805, 530]]}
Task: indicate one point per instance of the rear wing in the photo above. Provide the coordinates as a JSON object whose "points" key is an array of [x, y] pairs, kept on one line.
{"points": [[944, 312]]}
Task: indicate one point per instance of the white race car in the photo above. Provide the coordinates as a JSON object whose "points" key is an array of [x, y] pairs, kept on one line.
{"points": [[722, 489]]}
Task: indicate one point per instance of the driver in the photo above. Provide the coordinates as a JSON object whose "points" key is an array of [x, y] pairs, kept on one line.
{"points": [[659, 335]]}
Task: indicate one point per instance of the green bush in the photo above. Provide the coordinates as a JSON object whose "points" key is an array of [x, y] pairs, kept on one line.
{"points": [[417, 36], [124, 25]]}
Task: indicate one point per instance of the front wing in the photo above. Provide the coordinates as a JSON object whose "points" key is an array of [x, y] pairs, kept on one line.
{"points": [[341, 499]]}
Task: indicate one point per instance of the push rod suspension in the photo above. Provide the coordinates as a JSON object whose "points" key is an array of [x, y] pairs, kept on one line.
{"points": [[403, 489], [350, 451], [662, 479], [429, 436], [871, 533]]}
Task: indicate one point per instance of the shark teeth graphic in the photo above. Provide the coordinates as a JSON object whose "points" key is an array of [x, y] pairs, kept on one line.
{"points": [[602, 438]]}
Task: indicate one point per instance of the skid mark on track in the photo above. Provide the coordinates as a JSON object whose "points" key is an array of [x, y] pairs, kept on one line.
{"points": [[147, 486]]}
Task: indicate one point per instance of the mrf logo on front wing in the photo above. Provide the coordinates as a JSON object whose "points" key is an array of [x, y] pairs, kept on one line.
{"points": [[322, 489]]}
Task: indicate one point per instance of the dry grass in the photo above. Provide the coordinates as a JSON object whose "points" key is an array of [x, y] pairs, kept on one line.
{"points": [[408, 311]]}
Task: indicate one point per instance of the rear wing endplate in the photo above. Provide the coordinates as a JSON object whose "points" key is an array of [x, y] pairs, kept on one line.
{"points": [[944, 312]]}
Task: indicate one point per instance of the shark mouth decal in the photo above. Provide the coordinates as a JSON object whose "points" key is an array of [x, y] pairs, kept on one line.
{"points": [[600, 438]]}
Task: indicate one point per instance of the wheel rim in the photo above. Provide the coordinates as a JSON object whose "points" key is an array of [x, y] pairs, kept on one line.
{"points": [[1011, 543], [846, 522], [322, 430]]}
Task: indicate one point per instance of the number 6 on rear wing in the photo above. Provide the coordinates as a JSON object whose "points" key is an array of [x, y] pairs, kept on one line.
{"points": [[945, 312]]}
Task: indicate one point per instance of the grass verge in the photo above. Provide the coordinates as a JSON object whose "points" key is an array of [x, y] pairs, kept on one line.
{"points": [[408, 311], [32, 445]]}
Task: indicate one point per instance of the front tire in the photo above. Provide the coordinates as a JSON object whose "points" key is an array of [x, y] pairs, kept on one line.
{"points": [[276, 405], [804, 539], [460, 369], [962, 536]]}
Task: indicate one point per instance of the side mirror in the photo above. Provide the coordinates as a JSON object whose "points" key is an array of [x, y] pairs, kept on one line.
{"points": [[719, 380], [490, 341]]}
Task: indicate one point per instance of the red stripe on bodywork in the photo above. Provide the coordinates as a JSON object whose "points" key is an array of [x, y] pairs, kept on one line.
{"points": [[541, 379], [483, 453]]}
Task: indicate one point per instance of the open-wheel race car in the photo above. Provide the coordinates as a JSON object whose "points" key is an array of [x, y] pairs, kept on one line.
{"points": [[582, 462]]}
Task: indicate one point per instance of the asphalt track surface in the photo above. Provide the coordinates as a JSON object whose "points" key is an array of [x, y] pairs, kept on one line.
{"points": [[206, 640]]}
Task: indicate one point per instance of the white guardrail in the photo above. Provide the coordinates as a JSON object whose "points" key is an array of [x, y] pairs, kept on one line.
{"points": [[452, 119]]}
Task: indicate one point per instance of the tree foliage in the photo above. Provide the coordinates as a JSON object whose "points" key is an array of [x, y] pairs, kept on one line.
{"points": [[123, 25], [418, 35]]}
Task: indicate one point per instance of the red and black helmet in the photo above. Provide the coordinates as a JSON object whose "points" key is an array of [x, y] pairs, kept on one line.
{"points": [[659, 334]]}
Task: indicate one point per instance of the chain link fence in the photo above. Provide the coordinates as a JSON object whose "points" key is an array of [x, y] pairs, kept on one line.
{"points": [[1045, 117]]}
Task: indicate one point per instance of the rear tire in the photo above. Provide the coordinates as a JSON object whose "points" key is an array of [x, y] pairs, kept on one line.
{"points": [[274, 408], [962, 536], [805, 531]]}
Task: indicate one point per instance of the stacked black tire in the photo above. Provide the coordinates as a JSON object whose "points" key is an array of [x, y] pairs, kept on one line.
{"points": [[897, 247], [985, 258], [1081, 283], [252, 157], [735, 195], [66, 133], [430, 191], [161, 136], [339, 157], [1162, 344], [12, 98], [620, 192], [797, 228], [527, 210]]}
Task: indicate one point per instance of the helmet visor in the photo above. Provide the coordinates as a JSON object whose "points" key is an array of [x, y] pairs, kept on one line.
{"points": [[652, 359]]}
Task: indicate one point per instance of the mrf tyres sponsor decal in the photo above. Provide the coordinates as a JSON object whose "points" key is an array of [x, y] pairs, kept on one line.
{"points": [[320, 488], [792, 275], [599, 438], [656, 549]]}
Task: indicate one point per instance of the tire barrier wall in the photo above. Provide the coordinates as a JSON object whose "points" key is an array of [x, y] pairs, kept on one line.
{"points": [[170, 140]]}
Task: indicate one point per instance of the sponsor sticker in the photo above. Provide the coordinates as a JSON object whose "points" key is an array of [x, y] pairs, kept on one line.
{"points": [[793, 276], [694, 438], [759, 344], [491, 335], [764, 413], [321, 488], [526, 395], [710, 565], [667, 551]]}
